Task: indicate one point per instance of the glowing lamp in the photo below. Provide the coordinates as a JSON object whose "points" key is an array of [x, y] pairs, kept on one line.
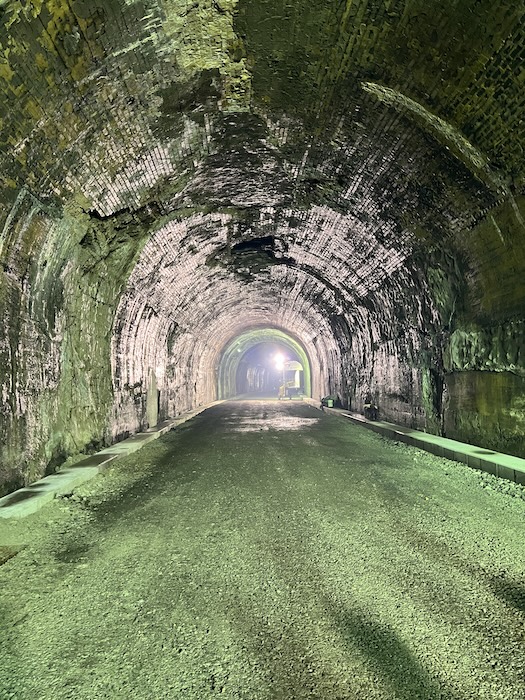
{"points": [[279, 361]]}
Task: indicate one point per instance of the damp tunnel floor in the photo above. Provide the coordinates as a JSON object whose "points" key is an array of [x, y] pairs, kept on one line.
{"points": [[267, 550]]}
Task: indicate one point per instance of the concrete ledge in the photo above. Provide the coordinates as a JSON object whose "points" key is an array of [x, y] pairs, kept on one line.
{"points": [[497, 463], [28, 500]]}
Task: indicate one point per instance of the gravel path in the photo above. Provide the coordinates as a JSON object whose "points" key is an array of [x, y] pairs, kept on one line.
{"points": [[263, 551]]}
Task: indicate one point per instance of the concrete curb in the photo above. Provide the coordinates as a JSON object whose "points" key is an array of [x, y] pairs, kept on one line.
{"points": [[29, 499], [496, 463]]}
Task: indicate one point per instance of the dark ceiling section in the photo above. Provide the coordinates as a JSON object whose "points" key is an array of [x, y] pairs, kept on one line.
{"points": [[460, 61], [176, 173]]}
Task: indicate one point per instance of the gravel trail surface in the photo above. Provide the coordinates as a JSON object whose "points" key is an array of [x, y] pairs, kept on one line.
{"points": [[265, 550]]}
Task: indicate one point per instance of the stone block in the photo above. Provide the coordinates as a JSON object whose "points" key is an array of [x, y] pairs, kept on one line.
{"points": [[505, 472], [473, 461], [519, 476], [488, 466]]}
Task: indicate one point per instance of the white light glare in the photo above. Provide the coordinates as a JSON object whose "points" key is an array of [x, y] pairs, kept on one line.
{"points": [[279, 361]]}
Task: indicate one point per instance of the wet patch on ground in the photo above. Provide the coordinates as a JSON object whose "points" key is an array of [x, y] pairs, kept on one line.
{"points": [[254, 425]]}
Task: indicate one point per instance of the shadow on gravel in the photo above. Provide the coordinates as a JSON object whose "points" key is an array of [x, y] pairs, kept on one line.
{"points": [[171, 465], [390, 657], [72, 554], [12, 687], [510, 592]]}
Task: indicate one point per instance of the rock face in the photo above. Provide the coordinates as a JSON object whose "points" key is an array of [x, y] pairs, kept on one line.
{"points": [[175, 176]]}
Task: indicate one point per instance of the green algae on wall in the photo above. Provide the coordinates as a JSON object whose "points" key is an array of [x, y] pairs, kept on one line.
{"points": [[12, 424], [484, 356], [497, 348], [103, 259], [308, 58], [487, 409], [431, 399], [495, 251], [56, 372]]}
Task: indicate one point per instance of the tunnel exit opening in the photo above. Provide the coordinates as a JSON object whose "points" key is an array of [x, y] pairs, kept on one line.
{"points": [[270, 369], [264, 363]]}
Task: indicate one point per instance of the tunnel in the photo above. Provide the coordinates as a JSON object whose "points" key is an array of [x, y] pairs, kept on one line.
{"points": [[209, 206], [177, 179], [266, 346]]}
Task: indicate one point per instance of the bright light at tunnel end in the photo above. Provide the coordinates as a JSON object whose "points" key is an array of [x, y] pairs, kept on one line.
{"points": [[279, 360]]}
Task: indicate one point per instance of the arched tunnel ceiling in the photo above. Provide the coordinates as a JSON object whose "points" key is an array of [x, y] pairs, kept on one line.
{"points": [[350, 172], [183, 300], [356, 105]]}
